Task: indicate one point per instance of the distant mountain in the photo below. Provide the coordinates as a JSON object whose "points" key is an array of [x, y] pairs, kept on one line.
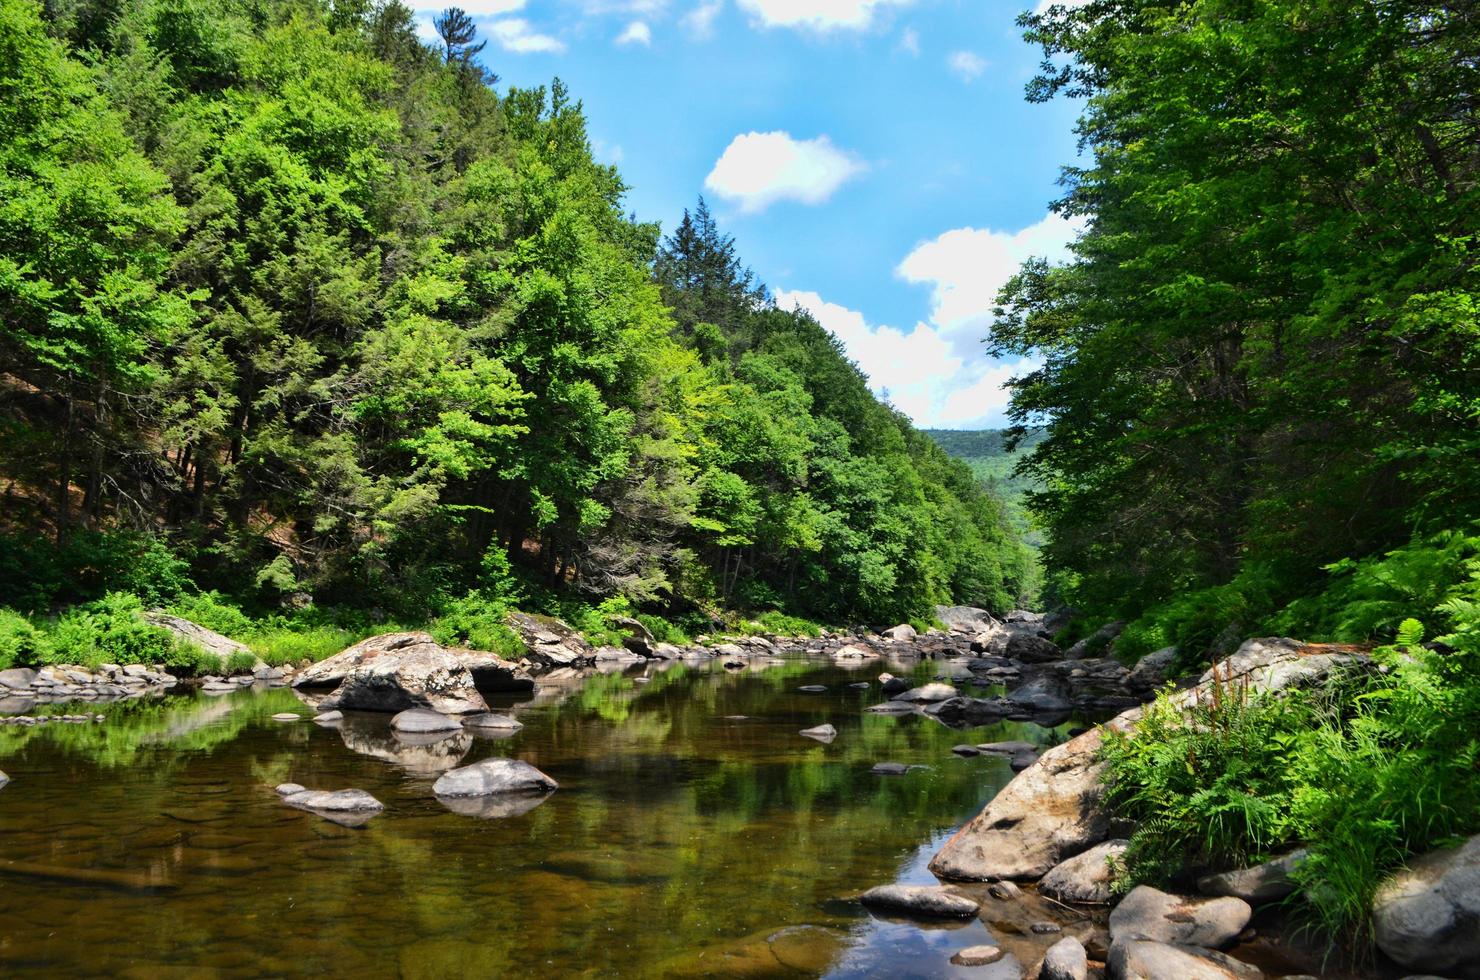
{"points": [[986, 452]]}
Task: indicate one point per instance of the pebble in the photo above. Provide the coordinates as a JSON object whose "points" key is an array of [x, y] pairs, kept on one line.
{"points": [[977, 956]]}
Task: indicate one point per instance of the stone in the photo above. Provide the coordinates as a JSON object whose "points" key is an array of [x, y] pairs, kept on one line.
{"points": [[812, 689], [891, 708], [1140, 959], [927, 901], [1007, 748], [1023, 760], [1096, 643], [1427, 916], [893, 685], [1065, 960], [493, 777], [823, 733], [1041, 695], [854, 652], [1030, 648], [637, 638], [889, 769], [549, 641], [4, 779], [1049, 812], [328, 717], [223, 648], [493, 722], [1152, 670], [17, 678], [1148, 913], [288, 789], [930, 692], [978, 956], [338, 801], [1265, 882], [1086, 878], [966, 751], [411, 673], [1045, 928], [421, 721], [965, 619], [1005, 891], [902, 633], [485, 671]]}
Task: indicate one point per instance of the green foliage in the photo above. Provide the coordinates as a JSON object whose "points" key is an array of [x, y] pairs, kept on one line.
{"points": [[1263, 354], [112, 630], [213, 611], [37, 575], [480, 622], [780, 624], [20, 642]]}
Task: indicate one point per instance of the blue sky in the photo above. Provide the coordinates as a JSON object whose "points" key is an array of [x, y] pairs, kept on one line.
{"points": [[875, 159]]}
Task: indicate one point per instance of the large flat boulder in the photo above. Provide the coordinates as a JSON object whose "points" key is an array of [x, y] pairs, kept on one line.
{"points": [[925, 901], [1265, 882], [1427, 917], [965, 619], [494, 777], [408, 671], [1049, 812], [221, 647], [1144, 959], [550, 642]]}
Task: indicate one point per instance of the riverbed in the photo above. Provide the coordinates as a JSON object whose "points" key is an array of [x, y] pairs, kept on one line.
{"points": [[695, 832]]}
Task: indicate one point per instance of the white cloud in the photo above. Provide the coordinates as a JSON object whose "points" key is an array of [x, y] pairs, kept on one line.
{"points": [[967, 267], [966, 65], [482, 8], [636, 33], [1043, 5], [919, 371], [820, 15], [759, 169], [517, 35], [700, 21], [909, 40], [644, 8]]}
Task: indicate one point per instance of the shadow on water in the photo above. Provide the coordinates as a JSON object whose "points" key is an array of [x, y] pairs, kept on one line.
{"points": [[694, 832]]}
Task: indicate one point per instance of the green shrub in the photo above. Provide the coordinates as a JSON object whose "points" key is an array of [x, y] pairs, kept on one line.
{"points": [[663, 631], [37, 575], [20, 642], [238, 663], [112, 630], [480, 622], [212, 611], [780, 624]]}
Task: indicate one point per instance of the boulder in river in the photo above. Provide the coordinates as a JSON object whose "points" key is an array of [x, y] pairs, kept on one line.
{"points": [[903, 633], [1030, 648], [929, 693], [1427, 917], [1144, 959], [854, 652], [420, 721], [1152, 670], [288, 789], [550, 642], [494, 777], [1148, 913], [928, 901], [396, 672], [822, 733], [346, 807], [889, 769], [978, 956], [1086, 878], [1065, 960], [492, 722], [965, 619], [17, 678]]}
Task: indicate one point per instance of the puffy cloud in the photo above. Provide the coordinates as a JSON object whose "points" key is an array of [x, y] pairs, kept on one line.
{"points": [[967, 267], [909, 40], [636, 33], [517, 35], [484, 8], [919, 370], [966, 65], [820, 15], [758, 169], [700, 21]]}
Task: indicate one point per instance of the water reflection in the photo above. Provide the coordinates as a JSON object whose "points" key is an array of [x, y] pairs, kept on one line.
{"points": [[695, 830]]}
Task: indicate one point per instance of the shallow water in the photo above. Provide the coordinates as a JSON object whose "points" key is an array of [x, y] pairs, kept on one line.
{"points": [[682, 841]]}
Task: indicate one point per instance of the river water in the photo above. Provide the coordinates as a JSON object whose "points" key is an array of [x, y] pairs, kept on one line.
{"points": [[695, 832]]}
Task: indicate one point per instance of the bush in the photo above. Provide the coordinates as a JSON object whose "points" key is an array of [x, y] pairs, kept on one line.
{"points": [[212, 611], [780, 624], [20, 642], [36, 575], [480, 622], [663, 631], [113, 630]]}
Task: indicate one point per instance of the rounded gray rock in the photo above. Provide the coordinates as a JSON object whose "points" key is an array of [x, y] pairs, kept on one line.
{"points": [[492, 777], [1147, 913], [823, 733], [1143, 959], [929, 901], [288, 789], [1427, 917], [338, 801], [1065, 960], [287, 716], [1086, 878], [423, 721]]}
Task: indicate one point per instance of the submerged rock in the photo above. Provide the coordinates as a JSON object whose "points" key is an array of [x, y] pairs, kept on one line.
{"points": [[288, 789], [493, 777], [1427, 917], [889, 769], [930, 692], [930, 901], [337, 801], [328, 717], [822, 733], [492, 722], [1148, 913]]}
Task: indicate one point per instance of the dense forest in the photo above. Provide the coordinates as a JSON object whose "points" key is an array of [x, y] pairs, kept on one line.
{"points": [[296, 306], [993, 456], [1260, 375]]}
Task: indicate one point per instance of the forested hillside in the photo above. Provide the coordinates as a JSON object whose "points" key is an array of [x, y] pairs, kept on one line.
{"points": [[295, 304], [995, 466], [1261, 373]]}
